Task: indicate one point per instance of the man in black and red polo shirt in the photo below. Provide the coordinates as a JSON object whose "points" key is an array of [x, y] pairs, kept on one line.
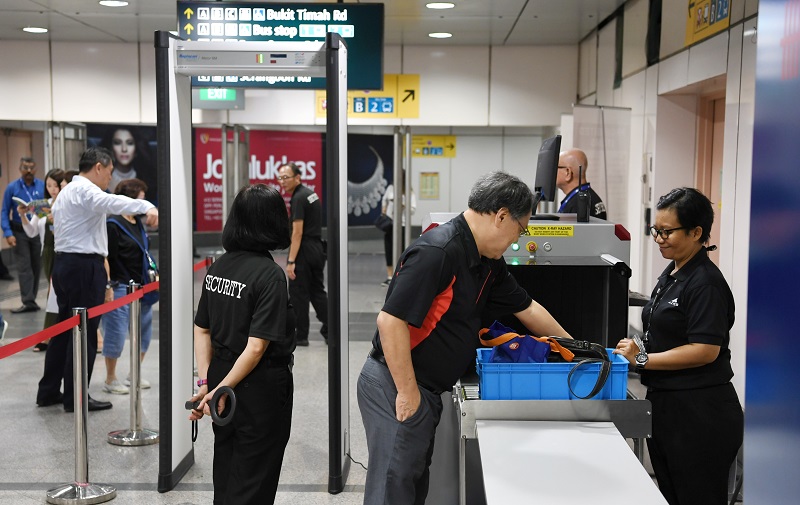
{"points": [[428, 332]]}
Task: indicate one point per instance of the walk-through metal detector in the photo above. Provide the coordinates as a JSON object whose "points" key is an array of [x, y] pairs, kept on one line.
{"points": [[235, 158], [176, 61]]}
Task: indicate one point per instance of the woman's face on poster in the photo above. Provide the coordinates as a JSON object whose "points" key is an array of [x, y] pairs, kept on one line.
{"points": [[124, 146]]}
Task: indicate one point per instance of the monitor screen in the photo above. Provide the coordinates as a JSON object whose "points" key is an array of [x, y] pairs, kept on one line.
{"points": [[547, 169]]}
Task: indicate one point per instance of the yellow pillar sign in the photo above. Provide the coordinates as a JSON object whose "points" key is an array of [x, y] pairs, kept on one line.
{"points": [[705, 18], [399, 99], [433, 146]]}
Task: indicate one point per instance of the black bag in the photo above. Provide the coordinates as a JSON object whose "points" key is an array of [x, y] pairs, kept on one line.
{"points": [[383, 223], [583, 352]]}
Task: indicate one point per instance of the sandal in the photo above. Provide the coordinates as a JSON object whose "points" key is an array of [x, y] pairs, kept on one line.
{"points": [[41, 346]]}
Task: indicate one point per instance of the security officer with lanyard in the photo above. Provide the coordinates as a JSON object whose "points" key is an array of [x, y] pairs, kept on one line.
{"points": [[571, 165]]}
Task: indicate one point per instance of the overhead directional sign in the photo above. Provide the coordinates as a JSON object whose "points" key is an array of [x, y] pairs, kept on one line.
{"points": [[433, 146], [360, 25], [398, 98]]}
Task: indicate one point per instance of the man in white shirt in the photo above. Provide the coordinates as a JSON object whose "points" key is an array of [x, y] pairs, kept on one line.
{"points": [[80, 276]]}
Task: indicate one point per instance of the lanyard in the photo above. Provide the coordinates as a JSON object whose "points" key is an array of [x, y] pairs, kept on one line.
{"points": [[573, 193], [25, 187], [657, 300]]}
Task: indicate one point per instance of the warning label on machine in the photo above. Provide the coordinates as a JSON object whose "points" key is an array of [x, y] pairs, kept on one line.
{"points": [[551, 231]]}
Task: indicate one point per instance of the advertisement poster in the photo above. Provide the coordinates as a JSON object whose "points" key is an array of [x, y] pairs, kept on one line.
{"points": [[134, 150], [370, 160], [268, 151]]}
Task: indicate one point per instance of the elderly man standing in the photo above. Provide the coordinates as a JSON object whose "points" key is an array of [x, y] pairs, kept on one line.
{"points": [[80, 273], [27, 250]]}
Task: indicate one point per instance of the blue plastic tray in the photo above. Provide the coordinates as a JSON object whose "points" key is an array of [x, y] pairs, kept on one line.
{"points": [[548, 381]]}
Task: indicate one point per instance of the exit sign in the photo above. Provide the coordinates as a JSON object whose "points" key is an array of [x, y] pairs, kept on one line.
{"points": [[217, 98], [218, 94]]}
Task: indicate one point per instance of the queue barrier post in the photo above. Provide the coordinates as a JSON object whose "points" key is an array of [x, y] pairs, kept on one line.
{"points": [[81, 491], [136, 435]]}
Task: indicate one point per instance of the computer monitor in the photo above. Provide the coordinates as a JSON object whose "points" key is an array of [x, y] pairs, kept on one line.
{"points": [[547, 168]]}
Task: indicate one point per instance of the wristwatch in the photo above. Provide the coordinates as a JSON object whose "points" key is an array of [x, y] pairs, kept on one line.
{"points": [[641, 357], [289, 262]]}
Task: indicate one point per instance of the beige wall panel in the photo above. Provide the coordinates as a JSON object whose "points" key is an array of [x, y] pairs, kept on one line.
{"points": [[532, 86], [673, 26], [96, 82], [147, 82], [673, 73], [454, 84], [708, 59], [587, 70], [634, 37], [25, 81], [276, 107], [605, 64]]}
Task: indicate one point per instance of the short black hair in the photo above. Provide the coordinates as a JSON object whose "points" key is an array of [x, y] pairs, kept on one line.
{"points": [[495, 190], [295, 169], [26, 159], [92, 157], [692, 208], [258, 221]]}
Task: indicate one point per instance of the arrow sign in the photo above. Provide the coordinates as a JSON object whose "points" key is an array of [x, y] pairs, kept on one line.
{"points": [[188, 12], [188, 28], [450, 146], [409, 94], [691, 4]]}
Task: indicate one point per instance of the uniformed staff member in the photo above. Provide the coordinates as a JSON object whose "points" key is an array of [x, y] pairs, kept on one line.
{"points": [[698, 424], [305, 262], [244, 339], [567, 181], [428, 332]]}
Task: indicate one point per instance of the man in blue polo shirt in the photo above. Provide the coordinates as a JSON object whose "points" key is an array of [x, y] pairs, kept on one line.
{"points": [[428, 332], [27, 250]]}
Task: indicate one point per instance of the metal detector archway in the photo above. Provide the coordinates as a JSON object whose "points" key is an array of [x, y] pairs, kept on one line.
{"points": [[176, 61]]}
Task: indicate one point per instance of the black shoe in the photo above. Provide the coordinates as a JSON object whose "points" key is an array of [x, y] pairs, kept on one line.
{"points": [[6, 277], [302, 343], [25, 308], [52, 401], [93, 405]]}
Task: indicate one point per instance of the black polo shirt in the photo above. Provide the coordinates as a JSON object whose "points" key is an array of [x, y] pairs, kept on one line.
{"points": [[440, 287], [695, 305], [597, 208], [306, 207], [244, 295]]}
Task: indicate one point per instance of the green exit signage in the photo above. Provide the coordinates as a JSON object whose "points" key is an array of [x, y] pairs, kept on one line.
{"points": [[220, 94], [218, 98], [359, 24]]}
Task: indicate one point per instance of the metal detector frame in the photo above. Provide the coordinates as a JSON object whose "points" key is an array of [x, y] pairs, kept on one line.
{"points": [[176, 61]]}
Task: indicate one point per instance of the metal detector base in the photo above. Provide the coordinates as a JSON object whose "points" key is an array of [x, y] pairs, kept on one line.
{"points": [[133, 438], [68, 494]]}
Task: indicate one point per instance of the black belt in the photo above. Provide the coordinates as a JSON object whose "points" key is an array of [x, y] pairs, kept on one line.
{"points": [[377, 355], [269, 362], [97, 257]]}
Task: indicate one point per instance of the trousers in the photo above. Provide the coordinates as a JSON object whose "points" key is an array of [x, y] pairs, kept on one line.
{"points": [[399, 453], [308, 287], [79, 281], [28, 257], [248, 452]]}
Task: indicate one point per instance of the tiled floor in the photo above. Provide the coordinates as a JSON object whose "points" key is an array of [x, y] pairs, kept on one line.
{"points": [[38, 443]]}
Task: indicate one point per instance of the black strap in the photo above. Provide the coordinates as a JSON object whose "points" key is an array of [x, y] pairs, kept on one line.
{"points": [[605, 369]]}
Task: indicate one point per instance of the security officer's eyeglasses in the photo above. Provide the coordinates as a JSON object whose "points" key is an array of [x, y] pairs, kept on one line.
{"points": [[523, 230], [665, 233]]}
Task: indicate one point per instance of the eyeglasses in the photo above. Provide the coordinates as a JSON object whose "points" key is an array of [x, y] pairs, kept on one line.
{"points": [[523, 230], [664, 234], [284, 177], [28, 168]]}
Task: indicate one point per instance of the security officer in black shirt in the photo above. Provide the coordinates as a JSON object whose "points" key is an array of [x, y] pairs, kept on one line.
{"points": [[698, 423], [306, 260], [571, 164], [244, 339]]}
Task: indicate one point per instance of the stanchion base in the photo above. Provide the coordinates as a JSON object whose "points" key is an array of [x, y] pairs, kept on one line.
{"points": [[68, 494], [132, 438]]}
